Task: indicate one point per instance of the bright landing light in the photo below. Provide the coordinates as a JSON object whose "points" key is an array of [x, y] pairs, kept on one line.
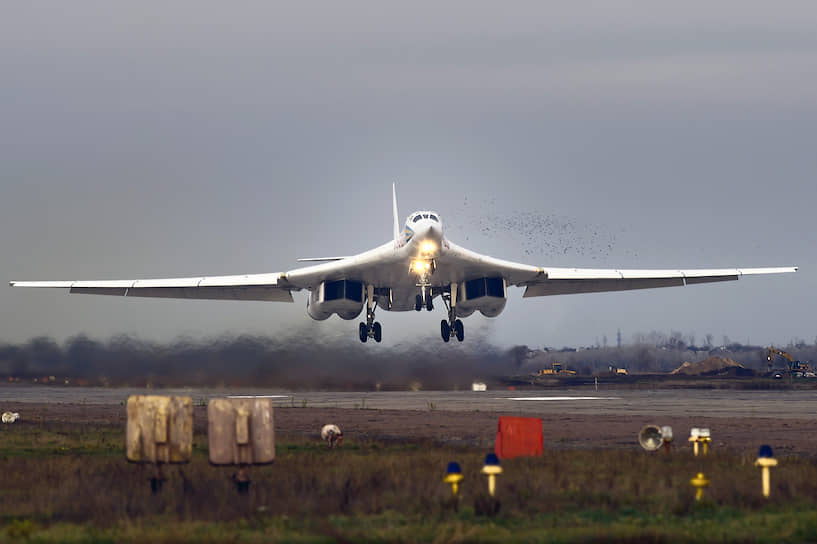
{"points": [[428, 247], [421, 266]]}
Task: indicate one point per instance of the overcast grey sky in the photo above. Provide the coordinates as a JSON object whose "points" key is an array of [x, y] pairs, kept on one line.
{"points": [[157, 139]]}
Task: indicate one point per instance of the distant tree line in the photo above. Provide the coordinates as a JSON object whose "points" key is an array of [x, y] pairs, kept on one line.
{"points": [[659, 352], [296, 362]]}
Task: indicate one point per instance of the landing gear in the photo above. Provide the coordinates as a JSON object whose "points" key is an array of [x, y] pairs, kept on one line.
{"points": [[452, 327], [371, 328], [445, 330], [424, 299], [424, 269]]}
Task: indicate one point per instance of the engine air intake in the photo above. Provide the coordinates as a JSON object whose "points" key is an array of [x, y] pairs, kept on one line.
{"points": [[343, 289], [481, 287]]}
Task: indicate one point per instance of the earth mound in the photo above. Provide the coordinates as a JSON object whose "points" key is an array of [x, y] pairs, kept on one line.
{"points": [[713, 366]]}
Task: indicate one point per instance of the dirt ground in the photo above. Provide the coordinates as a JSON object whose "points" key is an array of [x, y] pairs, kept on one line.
{"points": [[561, 431]]}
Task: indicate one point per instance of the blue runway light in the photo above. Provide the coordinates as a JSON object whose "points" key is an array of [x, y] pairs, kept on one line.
{"points": [[765, 451]]}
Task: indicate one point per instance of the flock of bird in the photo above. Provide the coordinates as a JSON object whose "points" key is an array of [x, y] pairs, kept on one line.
{"points": [[537, 234]]}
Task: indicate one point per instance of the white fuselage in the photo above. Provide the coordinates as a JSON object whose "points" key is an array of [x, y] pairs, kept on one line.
{"points": [[419, 251]]}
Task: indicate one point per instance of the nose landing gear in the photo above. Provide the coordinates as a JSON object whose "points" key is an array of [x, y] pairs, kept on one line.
{"points": [[424, 299], [424, 269]]}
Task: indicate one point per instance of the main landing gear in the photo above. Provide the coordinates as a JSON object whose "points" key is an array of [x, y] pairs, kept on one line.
{"points": [[453, 327], [371, 328], [447, 330]]}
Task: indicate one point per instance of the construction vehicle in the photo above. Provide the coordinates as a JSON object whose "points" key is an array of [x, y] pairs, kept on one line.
{"points": [[616, 371], [794, 367], [556, 369]]}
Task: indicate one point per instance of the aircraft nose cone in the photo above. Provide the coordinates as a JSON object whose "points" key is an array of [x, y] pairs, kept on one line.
{"points": [[433, 233]]}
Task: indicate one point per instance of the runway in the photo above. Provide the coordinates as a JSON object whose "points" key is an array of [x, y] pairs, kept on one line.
{"points": [[585, 401]]}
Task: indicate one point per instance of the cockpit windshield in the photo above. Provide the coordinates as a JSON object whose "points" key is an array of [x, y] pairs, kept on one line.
{"points": [[423, 215]]}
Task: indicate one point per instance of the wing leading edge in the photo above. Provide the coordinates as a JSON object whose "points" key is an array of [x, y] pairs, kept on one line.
{"points": [[565, 281], [264, 287]]}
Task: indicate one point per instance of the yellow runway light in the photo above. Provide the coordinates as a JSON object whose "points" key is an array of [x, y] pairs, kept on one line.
{"points": [[454, 477], [765, 460], [491, 469], [699, 482]]}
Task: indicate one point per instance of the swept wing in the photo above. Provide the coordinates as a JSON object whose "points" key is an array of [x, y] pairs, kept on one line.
{"points": [[461, 264], [268, 287]]}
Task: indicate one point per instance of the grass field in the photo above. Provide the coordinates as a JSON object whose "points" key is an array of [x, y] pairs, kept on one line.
{"points": [[70, 483]]}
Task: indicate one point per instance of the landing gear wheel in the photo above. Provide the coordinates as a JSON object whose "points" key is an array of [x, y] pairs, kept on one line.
{"points": [[363, 331], [418, 303], [378, 331], [429, 303], [445, 330], [459, 329]]}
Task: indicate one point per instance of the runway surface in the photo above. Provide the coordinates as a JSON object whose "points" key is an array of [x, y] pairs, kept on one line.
{"points": [[668, 402]]}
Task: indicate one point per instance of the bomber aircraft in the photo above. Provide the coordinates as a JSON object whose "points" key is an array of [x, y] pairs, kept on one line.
{"points": [[406, 273]]}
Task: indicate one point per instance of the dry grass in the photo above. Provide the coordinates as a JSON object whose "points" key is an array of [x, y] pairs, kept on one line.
{"points": [[71, 482]]}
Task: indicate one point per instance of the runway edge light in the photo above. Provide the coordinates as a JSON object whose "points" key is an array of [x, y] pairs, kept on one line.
{"points": [[699, 482], [453, 476], [765, 460], [666, 434], [700, 436], [491, 469], [651, 437]]}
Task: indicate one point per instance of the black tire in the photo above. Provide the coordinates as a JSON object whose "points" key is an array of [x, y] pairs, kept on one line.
{"points": [[378, 331], [418, 303], [429, 302], [445, 330], [363, 332], [459, 329]]}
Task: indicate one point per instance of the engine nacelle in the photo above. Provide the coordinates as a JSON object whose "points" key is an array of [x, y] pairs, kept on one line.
{"points": [[342, 297], [484, 294]]}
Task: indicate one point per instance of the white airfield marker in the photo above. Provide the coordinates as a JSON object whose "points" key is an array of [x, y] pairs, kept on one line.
{"points": [[258, 397], [558, 398]]}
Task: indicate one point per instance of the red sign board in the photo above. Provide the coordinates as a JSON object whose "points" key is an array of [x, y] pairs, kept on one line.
{"points": [[518, 436]]}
